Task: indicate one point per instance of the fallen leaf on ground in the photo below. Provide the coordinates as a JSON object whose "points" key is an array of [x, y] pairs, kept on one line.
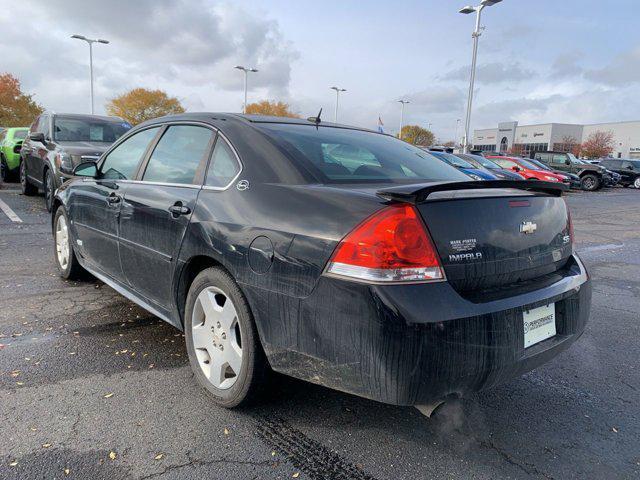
{"points": [[108, 395], [67, 471], [226, 432], [615, 430], [159, 456], [112, 455], [46, 445], [13, 464], [296, 475]]}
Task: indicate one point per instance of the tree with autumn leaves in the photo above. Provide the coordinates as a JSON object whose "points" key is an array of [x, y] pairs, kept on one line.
{"points": [[273, 108], [140, 104], [598, 144], [17, 109], [417, 135]]}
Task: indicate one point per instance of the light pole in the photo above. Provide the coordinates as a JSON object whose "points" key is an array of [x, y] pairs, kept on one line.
{"points": [[456, 136], [338, 90], [90, 41], [403, 103], [246, 71], [475, 35]]}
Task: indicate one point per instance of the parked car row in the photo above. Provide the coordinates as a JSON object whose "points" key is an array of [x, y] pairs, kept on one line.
{"points": [[56, 143]]}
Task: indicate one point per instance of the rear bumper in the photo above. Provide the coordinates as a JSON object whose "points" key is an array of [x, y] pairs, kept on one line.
{"points": [[412, 344]]}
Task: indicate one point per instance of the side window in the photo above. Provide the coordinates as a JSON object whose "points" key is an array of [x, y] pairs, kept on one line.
{"points": [[3, 134], [559, 159], [505, 163], [43, 125], [122, 162], [34, 126], [178, 154], [224, 165], [612, 164], [626, 165]]}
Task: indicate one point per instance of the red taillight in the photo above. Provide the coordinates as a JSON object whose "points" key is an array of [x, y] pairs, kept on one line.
{"points": [[390, 246]]}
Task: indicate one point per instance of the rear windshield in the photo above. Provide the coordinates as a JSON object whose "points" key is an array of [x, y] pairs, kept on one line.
{"points": [[485, 162], [452, 160], [66, 129], [341, 155], [20, 134], [529, 165]]}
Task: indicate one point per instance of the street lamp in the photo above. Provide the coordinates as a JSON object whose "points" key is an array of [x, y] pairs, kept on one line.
{"points": [[90, 41], [338, 90], [456, 136], [475, 35], [246, 71], [403, 102]]}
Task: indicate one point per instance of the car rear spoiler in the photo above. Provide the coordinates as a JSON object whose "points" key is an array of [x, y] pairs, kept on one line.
{"points": [[417, 193]]}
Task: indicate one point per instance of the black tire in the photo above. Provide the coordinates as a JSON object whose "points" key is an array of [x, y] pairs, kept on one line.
{"points": [[72, 270], [254, 367], [4, 169], [27, 188], [49, 189], [590, 182]]}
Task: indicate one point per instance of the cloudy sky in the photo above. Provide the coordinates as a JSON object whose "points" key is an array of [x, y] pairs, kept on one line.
{"points": [[574, 61]]}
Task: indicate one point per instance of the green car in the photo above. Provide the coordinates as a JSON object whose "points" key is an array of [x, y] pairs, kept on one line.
{"points": [[10, 145]]}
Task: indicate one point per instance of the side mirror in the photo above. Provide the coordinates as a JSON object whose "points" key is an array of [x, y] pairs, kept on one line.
{"points": [[86, 169], [515, 169], [37, 137], [567, 162]]}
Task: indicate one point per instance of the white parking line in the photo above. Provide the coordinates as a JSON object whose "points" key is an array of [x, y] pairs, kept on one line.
{"points": [[10, 213]]}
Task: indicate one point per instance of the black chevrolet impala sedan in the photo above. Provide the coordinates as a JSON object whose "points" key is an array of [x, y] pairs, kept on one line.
{"points": [[333, 254]]}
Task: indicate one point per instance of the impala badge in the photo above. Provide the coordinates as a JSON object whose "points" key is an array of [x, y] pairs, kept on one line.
{"points": [[242, 185], [528, 228]]}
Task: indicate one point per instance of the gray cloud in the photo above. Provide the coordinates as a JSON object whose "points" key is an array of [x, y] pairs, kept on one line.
{"points": [[623, 70], [438, 99], [566, 65], [491, 73], [154, 44]]}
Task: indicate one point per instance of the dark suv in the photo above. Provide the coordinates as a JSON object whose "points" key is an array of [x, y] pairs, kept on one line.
{"points": [[57, 142], [592, 177], [629, 170]]}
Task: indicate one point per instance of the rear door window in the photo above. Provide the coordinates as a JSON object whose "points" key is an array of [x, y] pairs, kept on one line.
{"points": [[224, 165], [559, 159], [178, 154], [122, 162]]}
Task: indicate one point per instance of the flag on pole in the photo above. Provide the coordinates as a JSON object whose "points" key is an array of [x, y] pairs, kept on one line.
{"points": [[380, 125]]}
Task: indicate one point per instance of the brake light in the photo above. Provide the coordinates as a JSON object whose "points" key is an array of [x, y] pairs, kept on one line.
{"points": [[392, 245], [569, 222]]}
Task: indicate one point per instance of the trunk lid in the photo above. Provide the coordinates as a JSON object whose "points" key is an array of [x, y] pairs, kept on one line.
{"points": [[490, 238]]}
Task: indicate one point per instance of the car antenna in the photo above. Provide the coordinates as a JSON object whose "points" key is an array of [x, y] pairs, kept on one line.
{"points": [[316, 119]]}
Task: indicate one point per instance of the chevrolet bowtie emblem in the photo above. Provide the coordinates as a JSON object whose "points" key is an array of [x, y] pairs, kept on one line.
{"points": [[528, 228]]}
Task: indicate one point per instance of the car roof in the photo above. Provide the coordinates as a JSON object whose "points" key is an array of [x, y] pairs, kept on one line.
{"points": [[86, 116], [214, 117]]}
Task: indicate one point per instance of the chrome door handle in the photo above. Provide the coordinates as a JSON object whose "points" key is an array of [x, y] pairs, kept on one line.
{"points": [[113, 198], [177, 210]]}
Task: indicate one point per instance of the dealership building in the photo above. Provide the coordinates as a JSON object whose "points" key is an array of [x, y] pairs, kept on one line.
{"points": [[556, 137]]}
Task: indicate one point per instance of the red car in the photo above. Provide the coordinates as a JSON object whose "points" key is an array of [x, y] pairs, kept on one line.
{"points": [[527, 169]]}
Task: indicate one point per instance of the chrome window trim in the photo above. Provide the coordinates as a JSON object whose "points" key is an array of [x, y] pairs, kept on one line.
{"points": [[215, 129], [235, 153]]}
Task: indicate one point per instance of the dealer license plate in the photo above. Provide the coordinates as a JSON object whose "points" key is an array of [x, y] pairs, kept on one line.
{"points": [[539, 324]]}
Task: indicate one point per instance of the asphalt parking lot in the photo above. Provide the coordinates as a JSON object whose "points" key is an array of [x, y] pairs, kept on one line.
{"points": [[92, 386]]}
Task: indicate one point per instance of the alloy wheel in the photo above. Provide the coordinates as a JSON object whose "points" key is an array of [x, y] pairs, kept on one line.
{"points": [[636, 182], [588, 183], [62, 242], [216, 337]]}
